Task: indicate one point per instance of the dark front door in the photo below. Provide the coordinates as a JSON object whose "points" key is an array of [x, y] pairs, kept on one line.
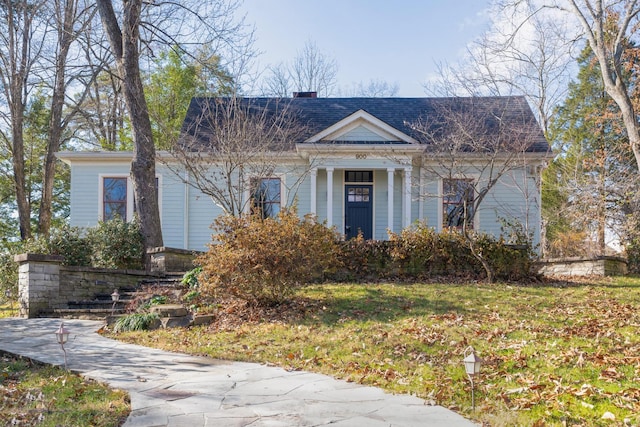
{"points": [[359, 211]]}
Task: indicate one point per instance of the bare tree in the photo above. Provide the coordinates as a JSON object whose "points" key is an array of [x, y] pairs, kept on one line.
{"points": [[373, 89], [472, 144], [311, 70], [607, 26], [609, 43], [521, 53], [314, 71], [22, 44], [70, 17], [227, 142], [100, 120], [277, 81]]}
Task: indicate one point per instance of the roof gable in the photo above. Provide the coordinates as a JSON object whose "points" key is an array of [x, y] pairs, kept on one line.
{"points": [[357, 125]]}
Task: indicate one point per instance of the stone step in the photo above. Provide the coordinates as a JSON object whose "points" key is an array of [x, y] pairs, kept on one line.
{"points": [[84, 314], [171, 279], [102, 305]]}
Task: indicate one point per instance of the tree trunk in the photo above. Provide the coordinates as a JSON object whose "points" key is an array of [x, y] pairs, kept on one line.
{"points": [[18, 62], [65, 38], [124, 44]]}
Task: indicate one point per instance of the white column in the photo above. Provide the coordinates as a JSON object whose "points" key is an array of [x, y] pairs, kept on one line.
{"points": [[185, 225], [420, 196], [329, 196], [406, 197], [390, 173], [313, 192], [245, 202]]}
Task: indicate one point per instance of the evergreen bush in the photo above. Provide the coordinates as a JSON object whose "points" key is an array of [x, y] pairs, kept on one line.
{"points": [[116, 244]]}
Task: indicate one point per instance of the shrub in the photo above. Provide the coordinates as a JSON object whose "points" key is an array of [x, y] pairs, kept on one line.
{"points": [[69, 242], [364, 259], [511, 262], [263, 261], [632, 250], [116, 244], [568, 244], [419, 252], [191, 278], [9, 268], [136, 322], [414, 248]]}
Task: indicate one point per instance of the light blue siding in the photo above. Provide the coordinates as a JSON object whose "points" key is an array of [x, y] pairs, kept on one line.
{"points": [[85, 188], [172, 193], [361, 133], [187, 214], [202, 212]]}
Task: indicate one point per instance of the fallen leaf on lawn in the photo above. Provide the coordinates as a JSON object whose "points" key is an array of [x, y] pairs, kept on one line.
{"points": [[608, 416]]}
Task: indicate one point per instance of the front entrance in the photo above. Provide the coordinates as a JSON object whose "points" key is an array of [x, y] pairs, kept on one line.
{"points": [[358, 211]]}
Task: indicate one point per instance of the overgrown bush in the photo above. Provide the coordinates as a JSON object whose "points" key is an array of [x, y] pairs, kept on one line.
{"points": [[116, 244], [263, 261], [511, 262], [633, 255], [70, 243], [364, 259], [420, 252], [568, 244]]}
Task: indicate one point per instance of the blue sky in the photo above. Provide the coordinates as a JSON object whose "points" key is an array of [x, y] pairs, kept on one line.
{"points": [[397, 41]]}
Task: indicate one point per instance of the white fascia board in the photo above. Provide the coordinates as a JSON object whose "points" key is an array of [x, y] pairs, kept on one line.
{"points": [[94, 156], [483, 158], [121, 156], [361, 117], [305, 149]]}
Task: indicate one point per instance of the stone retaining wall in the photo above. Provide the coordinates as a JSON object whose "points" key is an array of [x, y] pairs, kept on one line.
{"points": [[166, 260], [45, 284], [603, 266]]}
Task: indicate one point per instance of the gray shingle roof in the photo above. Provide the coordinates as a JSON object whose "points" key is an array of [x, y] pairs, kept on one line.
{"points": [[402, 114]]}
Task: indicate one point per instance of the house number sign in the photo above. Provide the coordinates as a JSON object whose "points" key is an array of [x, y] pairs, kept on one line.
{"points": [[361, 156]]}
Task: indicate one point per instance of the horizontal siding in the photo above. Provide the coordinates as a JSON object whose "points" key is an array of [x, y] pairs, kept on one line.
{"points": [[172, 192], [361, 133], [202, 213], [85, 184], [515, 197]]}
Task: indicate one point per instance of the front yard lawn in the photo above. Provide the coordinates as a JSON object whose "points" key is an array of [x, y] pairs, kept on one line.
{"points": [[556, 353], [34, 394]]}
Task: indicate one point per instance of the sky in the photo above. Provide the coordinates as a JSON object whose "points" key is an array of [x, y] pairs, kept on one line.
{"points": [[396, 41]]}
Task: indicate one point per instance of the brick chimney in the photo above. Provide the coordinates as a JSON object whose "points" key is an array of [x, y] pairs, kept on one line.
{"points": [[305, 94]]}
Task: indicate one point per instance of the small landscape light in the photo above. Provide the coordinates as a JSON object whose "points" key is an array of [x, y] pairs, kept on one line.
{"points": [[472, 364], [115, 297], [62, 336]]}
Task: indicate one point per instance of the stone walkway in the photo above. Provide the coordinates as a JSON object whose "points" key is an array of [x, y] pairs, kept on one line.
{"points": [[172, 389]]}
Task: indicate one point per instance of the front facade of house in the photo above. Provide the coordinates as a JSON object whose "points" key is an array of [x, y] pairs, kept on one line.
{"points": [[360, 168]]}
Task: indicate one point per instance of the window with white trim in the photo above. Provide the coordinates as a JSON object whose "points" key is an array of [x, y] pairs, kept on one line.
{"points": [[266, 196], [116, 197], [457, 203]]}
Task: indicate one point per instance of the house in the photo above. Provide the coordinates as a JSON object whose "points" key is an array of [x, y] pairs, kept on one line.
{"points": [[365, 165]]}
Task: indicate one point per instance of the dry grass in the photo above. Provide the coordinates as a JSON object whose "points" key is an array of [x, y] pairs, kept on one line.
{"points": [[35, 394]]}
